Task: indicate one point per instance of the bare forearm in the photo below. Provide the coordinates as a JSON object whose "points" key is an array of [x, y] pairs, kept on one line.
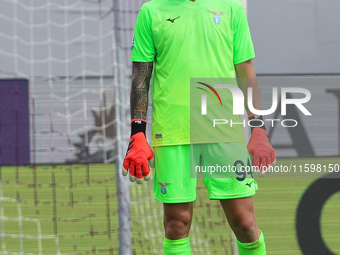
{"points": [[141, 75], [246, 78]]}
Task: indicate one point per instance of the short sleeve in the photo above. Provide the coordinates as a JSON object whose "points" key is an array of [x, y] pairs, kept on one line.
{"points": [[243, 44], [143, 49]]}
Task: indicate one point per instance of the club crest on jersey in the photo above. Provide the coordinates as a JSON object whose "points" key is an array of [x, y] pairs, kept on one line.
{"points": [[217, 16], [163, 188]]}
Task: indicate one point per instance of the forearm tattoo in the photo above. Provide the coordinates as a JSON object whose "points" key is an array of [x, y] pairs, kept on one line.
{"points": [[141, 75]]}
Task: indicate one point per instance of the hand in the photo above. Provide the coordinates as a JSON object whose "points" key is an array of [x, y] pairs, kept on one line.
{"points": [[136, 159], [261, 149]]}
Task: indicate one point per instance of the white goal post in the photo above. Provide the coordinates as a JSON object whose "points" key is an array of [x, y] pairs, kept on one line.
{"points": [[234, 242]]}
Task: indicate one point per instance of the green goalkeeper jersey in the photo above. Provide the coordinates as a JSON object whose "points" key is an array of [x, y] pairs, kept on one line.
{"points": [[186, 40]]}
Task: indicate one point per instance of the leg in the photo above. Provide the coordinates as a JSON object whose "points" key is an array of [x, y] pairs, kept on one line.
{"points": [[177, 220], [235, 189], [174, 187], [241, 217], [242, 220]]}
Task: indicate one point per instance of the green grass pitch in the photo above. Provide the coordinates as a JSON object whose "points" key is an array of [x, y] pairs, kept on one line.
{"points": [[72, 209], [68, 209]]}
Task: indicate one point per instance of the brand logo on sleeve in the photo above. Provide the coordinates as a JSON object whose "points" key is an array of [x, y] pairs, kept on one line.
{"points": [[133, 43]]}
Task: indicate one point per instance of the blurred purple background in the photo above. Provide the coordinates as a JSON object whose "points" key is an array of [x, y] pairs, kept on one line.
{"points": [[14, 122]]}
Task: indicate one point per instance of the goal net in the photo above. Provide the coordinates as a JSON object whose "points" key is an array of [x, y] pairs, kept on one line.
{"points": [[64, 129]]}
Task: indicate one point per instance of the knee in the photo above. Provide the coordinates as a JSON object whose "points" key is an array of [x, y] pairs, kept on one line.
{"points": [[246, 224], [246, 228], [178, 225]]}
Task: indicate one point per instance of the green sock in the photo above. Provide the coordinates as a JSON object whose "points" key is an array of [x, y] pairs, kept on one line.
{"points": [[256, 248], [176, 247]]}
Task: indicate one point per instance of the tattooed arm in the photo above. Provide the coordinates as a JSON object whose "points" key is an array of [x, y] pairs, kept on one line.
{"points": [[139, 151], [141, 75]]}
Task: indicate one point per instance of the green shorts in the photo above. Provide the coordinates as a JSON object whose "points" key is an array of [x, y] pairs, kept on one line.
{"points": [[225, 168]]}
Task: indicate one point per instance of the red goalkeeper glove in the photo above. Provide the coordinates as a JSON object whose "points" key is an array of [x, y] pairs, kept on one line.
{"points": [[260, 147], [138, 154]]}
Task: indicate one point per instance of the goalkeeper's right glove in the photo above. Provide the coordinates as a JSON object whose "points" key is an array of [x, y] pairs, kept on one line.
{"points": [[138, 153], [260, 147]]}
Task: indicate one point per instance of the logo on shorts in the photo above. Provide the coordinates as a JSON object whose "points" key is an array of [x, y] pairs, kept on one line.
{"points": [[249, 184], [163, 188], [217, 16]]}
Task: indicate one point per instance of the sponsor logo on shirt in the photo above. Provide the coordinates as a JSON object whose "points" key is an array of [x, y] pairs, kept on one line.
{"points": [[172, 20]]}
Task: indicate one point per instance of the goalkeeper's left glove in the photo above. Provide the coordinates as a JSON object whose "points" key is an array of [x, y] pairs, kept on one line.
{"points": [[259, 145]]}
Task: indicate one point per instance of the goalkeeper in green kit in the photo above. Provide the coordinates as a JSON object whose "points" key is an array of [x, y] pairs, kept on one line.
{"points": [[179, 42]]}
